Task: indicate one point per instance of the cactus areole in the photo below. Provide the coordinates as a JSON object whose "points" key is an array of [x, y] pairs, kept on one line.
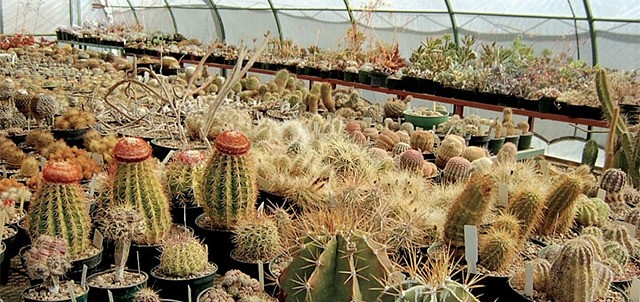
{"points": [[62, 172], [132, 150], [233, 143]]}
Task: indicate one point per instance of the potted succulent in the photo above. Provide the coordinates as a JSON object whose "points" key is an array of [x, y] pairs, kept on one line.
{"points": [[184, 264], [496, 140], [526, 136], [386, 60], [509, 127], [122, 224], [257, 242], [72, 125], [235, 286], [48, 261], [182, 176]]}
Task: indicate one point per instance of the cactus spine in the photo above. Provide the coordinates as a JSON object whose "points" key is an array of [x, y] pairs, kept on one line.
{"points": [[422, 140], [147, 295], [59, 207], [183, 256], [457, 169], [182, 177], [498, 249], [451, 146], [411, 160], [229, 186], [527, 206], [257, 238], [47, 259], [620, 234], [613, 180], [346, 266], [507, 154], [122, 224], [135, 183], [591, 211], [468, 209], [560, 205], [616, 252]]}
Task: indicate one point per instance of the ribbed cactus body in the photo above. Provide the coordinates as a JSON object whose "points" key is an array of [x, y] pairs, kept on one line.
{"points": [[340, 267], [590, 153], [633, 217], [135, 183], [394, 108], [592, 230], [541, 269], [229, 186], [620, 234], [527, 205], [451, 146], [457, 169], [507, 154], [422, 140], [257, 239], [59, 207], [183, 175], [468, 208], [591, 211], [183, 257], [560, 205], [411, 160], [413, 290], [387, 140], [472, 153], [613, 180], [616, 252], [400, 148], [498, 249]]}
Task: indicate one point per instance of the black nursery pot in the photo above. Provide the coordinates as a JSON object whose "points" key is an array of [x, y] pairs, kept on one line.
{"points": [[73, 138], [524, 143], [120, 294], [159, 150], [479, 141], [494, 145], [490, 288], [218, 239], [364, 77], [378, 79], [178, 214], [149, 257], [81, 298], [9, 249], [178, 288], [350, 76], [514, 139], [274, 200]]}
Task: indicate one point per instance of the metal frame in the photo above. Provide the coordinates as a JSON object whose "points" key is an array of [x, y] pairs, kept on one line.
{"points": [[173, 17], [454, 24], [277, 19], [592, 32], [133, 11], [217, 19]]}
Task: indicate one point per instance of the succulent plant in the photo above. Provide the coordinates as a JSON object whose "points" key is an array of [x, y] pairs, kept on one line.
{"points": [[616, 252], [387, 139], [215, 294], [135, 183], [613, 180], [561, 204], [400, 148], [394, 108], [183, 176], [237, 284], [468, 208], [591, 211], [59, 208], [411, 160], [498, 248], [182, 256], [451, 146], [257, 238], [472, 153], [147, 295], [541, 268], [457, 169], [592, 230], [590, 153], [620, 234], [527, 205], [229, 188], [507, 154], [422, 140], [48, 260]]}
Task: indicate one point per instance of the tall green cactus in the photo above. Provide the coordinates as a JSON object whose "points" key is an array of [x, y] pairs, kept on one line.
{"points": [[135, 183], [182, 176], [229, 188], [59, 207], [347, 266], [468, 209], [561, 204], [630, 145], [527, 206], [590, 153]]}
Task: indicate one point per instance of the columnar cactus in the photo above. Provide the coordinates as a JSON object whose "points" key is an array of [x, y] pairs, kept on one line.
{"points": [[507, 154], [422, 140], [560, 204], [591, 211], [257, 238], [48, 260], [468, 208], [451, 146], [498, 249], [229, 181], [616, 252], [182, 256], [527, 205], [345, 266], [575, 276], [590, 153], [457, 169], [135, 183], [613, 180], [59, 207], [182, 177]]}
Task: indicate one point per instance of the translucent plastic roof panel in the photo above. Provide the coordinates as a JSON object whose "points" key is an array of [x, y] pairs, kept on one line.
{"points": [[148, 3], [619, 9], [621, 39], [36, 17], [246, 4], [186, 19], [310, 4], [321, 28], [535, 8], [401, 5], [156, 19], [186, 3], [246, 25]]}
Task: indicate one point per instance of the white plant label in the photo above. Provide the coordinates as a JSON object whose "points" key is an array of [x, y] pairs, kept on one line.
{"points": [[528, 280], [184, 215], [471, 247], [98, 158], [630, 228], [503, 195], [544, 166], [92, 185], [98, 239], [634, 292], [189, 293], [138, 260], [83, 281], [2, 219], [602, 194], [72, 293], [261, 274], [110, 295], [43, 161], [168, 157]]}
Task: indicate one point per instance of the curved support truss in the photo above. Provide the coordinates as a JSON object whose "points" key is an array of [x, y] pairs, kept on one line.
{"points": [[350, 12], [277, 19], [173, 17], [215, 14], [592, 32], [454, 23], [133, 11]]}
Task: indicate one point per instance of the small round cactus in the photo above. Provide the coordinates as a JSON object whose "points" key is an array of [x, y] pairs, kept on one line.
{"points": [[481, 165], [591, 211], [352, 126], [451, 146], [592, 230], [633, 217], [400, 148], [48, 260], [215, 294], [147, 295], [457, 169], [182, 176], [422, 140], [620, 234], [237, 283], [182, 256], [411, 160], [257, 239], [359, 138], [387, 140], [613, 180], [498, 249], [472, 153], [616, 252], [507, 154]]}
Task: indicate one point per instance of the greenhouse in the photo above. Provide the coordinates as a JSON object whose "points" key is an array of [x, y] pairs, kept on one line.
{"points": [[334, 150]]}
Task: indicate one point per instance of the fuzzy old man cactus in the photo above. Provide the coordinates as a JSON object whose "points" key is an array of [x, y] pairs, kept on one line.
{"points": [[182, 176], [229, 187], [59, 207], [345, 266], [135, 183], [48, 260]]}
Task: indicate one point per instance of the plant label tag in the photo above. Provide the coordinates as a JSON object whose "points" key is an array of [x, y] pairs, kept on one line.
{"points": [[503, 195], [83, 281], [92, 185], [98, 158], [146, 77], [261, 274], [602, 194], [634, 292], [471, 247], [184, 215], [544, 166], [528, 280], [367, 120], [110, 295], [168, 157], [189, 293], [98, 239], [72, 293], [43, 162], [137, 260], [630, 228], [433, 128], [4, 173], [419, 128], [2, 220]]}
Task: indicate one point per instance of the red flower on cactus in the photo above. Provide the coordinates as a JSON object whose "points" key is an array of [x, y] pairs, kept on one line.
{"points": [[232, 142], [62, 172], [8, 202], [131, 150]]}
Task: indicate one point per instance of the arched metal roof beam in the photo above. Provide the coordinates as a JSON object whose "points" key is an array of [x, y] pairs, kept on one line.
{"points": [[277, 19], [173, 17], [592, 32], [576, 33], [454, 24], [133, 11], [215, 14], [349, 11]]}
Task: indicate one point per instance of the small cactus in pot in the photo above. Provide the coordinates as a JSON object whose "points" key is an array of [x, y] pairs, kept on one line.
{"points": [[182, 177], [257, 238], [48, 260]]}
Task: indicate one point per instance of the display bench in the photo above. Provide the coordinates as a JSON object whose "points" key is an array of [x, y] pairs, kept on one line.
{"points": [[84, 45]]}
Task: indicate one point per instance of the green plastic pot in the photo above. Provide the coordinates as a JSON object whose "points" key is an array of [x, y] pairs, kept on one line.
{"points": [[425, 122]]}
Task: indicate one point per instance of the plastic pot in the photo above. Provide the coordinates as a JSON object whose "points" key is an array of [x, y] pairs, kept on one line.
{"points": [[514, 139], [495, 144], [479, 141], [149, 257], [178, 288], [524, 143], [120, 294], [160, 151], [81, 298], [8, 250], [71, 137], [220, 240], [425, 122], [350, 76], [75, 272], [364, 77], [378, 79]]}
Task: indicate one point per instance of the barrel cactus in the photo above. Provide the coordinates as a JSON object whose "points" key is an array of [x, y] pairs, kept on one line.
{"points": [[400, 148], [411, 160], [498, 249], [457, 169], [182, 256], [613, 180], [182, 177], [591, 211], [387, 139], [620, 234], [527, 205], [451, 146], [507, 154], [616, 252], [59, 207], [229, 188], [422, 140], [257, 238]]}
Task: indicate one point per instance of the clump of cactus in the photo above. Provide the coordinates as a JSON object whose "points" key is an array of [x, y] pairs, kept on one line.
{"points": [[238, 284], [135, 183], [183, 256], [229, 186], [59, 207], [620, 234], [345, 266], [561, 204], [11, 154], [48, 260], [257, 238], [74, 119], [182, 176], [591, 211]]}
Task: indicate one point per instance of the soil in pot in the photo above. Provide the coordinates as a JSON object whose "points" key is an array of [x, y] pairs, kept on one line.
{"points": [[40, 292], [378, 79], [177, 288], [220, 239], [124, 291]]}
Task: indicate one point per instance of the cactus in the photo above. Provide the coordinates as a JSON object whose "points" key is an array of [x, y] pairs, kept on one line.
{"points": [[613, 180], [371, 134], [592, 230], [575, 276], [620, 234], [312, 103], [403, 136], [394, 108], [560, 204], [182, 177], [147, 295], [411, 160], [345, 266], [48, 260], [616, 252], [591, 211], [507, 154], [472, 153], [59, 207], [541, 268], [527, 205], [407, 127], [327, 99], [182, 256], [387, 140], [633, 217], [257, 297], [400, 148], [215, 294], [550, 252], [498, 249], [237, 283], [481, 165], [122, 224], [497, 128], [422, 140], [229, 185], [352, 126], [590, 153], [359, 138], [256, 238], [596, 243], [523, 126], [451, 146], [457, 169], [135, 183], [468, 208]]}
